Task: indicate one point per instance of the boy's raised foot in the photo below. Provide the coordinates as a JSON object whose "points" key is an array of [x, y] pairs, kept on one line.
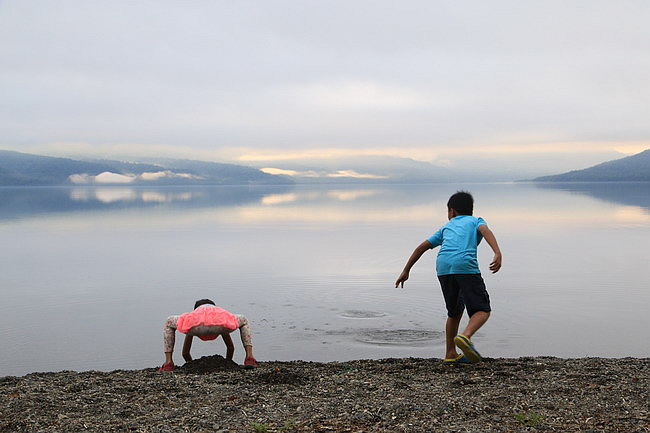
{"points": [[470, 352]]}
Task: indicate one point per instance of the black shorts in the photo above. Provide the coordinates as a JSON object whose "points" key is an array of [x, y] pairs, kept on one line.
{"points": [[464, 290]]}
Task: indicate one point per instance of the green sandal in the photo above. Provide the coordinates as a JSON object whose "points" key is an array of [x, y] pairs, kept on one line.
{"points": [[464, 344], [460, 359]]}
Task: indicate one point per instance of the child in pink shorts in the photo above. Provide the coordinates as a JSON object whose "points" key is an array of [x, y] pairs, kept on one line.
{"points": [[207, 322]]}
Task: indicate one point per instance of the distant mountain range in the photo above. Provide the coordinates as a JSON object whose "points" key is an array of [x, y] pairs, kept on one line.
{"points": [[17, 169], [635, 168], [27, 169], [367, 170], [462, 168]]}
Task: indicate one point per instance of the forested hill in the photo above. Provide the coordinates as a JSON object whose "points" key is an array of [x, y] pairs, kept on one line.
{"points": [[18, 169], [635, 168], [26, 169]]}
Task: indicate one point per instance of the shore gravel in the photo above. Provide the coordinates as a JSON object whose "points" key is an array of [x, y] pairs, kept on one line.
{"points": [[212, 394]]}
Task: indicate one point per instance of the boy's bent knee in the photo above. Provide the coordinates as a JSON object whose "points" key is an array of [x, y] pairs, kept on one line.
{"points": [[485, 312]]}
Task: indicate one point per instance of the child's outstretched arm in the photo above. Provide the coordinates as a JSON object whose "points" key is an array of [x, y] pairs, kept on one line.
{"points": [[417, 253], [495, 265]]}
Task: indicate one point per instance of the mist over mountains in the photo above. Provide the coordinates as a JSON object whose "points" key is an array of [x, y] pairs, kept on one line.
{"points": [[366, 169], [457, 168], [18, 169], [28, 169]]}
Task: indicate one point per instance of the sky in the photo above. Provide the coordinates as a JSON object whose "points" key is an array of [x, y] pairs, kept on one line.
{"points": [[553, 84]]}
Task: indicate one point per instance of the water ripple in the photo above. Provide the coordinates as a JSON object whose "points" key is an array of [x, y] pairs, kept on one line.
{"points": [[361, 314]]}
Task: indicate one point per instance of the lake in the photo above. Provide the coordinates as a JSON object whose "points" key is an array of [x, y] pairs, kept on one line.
{"points": [[89, 275]]}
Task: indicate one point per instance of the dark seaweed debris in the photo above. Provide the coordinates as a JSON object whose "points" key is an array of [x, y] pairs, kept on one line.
{"points": [[390, 395], [209, 364]]}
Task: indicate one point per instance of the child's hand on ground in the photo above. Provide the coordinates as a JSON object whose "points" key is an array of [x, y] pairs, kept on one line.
{"points": [[402, 277], [496, 263]]}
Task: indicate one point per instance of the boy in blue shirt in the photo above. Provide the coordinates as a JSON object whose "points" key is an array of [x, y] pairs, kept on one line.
{"points": [[459, 275]]}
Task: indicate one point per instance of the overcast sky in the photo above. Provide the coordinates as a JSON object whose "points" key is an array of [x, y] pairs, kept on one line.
{"points": [[247, 81]]}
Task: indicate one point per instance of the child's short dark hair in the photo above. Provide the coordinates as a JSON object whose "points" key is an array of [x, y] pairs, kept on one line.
{"points": [[200, 302], [462, 202]]}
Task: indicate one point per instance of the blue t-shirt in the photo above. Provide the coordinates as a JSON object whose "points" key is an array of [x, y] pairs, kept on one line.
{"points": [[459, 239]]}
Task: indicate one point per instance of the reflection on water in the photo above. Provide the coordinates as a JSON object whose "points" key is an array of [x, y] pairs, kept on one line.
{"points": [[351, 195], [88, 275], [105, 195], [402, 200], [111, 195], [274, 204], [273, 199], [279, 203], [627, 193], [17, 203], [632, 214]]}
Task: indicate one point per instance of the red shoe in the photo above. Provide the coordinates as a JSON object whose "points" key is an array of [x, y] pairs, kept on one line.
{"points": [[250, 363], [167, 366]]}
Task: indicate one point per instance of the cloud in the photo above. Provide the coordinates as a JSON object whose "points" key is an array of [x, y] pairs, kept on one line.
{"points": [[354, 174], [81, 178], [108, 177], [322, 174], [167, 174], [279, 171], [215, 80], [356, 95]]}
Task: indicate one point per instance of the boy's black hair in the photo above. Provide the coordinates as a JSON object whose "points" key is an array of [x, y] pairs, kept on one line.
{"points": [[200, 302], [462, 202]]}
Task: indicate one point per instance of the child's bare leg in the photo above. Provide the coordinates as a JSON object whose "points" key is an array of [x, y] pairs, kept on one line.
{"points": [[169, 337], [477, 320], [245, 333], [451, 330]]}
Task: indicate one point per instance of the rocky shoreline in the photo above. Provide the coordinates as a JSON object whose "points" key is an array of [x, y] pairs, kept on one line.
{"points": [[390, 395]]}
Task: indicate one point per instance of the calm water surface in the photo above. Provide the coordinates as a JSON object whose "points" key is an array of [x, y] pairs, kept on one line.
{"points": [[88, 275]]}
